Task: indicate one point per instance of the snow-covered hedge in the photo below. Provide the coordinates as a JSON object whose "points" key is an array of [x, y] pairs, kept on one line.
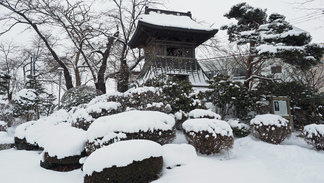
{"points": [[203, 113], [239, 129], [3, 126], [208, 136], [314, 135], [270, 128], [126, 161], [152, 125], [83, 117], [63, 148], [27, 135]]}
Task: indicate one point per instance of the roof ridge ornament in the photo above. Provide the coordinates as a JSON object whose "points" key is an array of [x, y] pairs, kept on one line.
{"points": [[168, 12]]}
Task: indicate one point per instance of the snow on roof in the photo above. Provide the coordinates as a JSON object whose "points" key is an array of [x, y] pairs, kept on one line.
{"points": [[121, 154], [64, 142], [213, 126], [169, 20], [131, 121], [269, 119]]}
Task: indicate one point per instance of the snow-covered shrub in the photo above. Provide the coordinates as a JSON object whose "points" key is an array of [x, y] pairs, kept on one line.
{"points": [[126, 161], [203, 113], [78, 95], [27, 135], [25, 104], [208, 136], [83, 117], [147, 98], [178, 93], [270, 128], [239, 129], [63, 149], [228, 96], [6, 114], [180, 117], [314, 135], [150, 125]]}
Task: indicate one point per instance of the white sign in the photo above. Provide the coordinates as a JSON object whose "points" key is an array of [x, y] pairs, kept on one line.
{"points": [[280, 107]]}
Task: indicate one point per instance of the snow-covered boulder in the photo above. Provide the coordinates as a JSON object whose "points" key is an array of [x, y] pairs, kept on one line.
{"points": [[151, 125], [208, 136], [125, 161], [175, 155], [314, 135], [203, 113], [270, 128], [63, 148], [239, 129]]}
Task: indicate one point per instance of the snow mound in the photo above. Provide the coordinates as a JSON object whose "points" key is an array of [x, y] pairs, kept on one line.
{"points": [[121, 154], [5, 138], [213, 126], [178, 154], [269, 119], [130, 122], [64, 142], [202, 113]]}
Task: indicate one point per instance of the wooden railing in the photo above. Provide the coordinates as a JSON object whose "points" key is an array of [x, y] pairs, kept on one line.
{"points": [[183, 64]]}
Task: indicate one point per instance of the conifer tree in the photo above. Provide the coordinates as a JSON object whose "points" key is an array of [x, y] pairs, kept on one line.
{"points": [[269, 37]]}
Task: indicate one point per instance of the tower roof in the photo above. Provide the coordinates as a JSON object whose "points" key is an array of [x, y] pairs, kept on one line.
{"points": [[164, 24]]}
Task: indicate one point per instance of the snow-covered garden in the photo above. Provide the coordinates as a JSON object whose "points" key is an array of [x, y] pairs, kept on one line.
{"points": [[88, 144]]}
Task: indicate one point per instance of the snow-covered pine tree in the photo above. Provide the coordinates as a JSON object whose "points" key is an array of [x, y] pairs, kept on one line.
{"points": [[269, 37]]}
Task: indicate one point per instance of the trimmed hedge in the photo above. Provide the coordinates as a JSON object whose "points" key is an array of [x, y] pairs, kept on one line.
{"points": [[22, 144], [65, 164], [146, 170], [160, 136]]}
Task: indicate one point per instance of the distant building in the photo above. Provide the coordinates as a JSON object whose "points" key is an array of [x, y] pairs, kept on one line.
{"points": [[169, 39]]}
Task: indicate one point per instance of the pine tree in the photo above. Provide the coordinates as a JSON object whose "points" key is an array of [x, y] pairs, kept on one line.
{"points": [[270, 37]]}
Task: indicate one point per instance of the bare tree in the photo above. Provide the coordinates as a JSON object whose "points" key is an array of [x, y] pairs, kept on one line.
{"points": [[32, 14], [12, 60]]}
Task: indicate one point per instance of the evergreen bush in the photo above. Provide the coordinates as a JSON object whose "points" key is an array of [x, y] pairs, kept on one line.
{"points": [[78, 95], [229, 96], [270, 128], [239, 129], [314, 135]]}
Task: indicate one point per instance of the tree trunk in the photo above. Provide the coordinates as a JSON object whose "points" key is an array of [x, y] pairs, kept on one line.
{"points": [[101, 82], [123, 78]]}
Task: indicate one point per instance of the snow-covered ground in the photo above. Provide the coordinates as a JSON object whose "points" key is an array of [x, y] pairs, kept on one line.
{"points": [[249, 161]]}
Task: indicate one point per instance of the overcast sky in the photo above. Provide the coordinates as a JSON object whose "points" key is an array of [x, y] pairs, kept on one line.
{"points": [[308, 17]]}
